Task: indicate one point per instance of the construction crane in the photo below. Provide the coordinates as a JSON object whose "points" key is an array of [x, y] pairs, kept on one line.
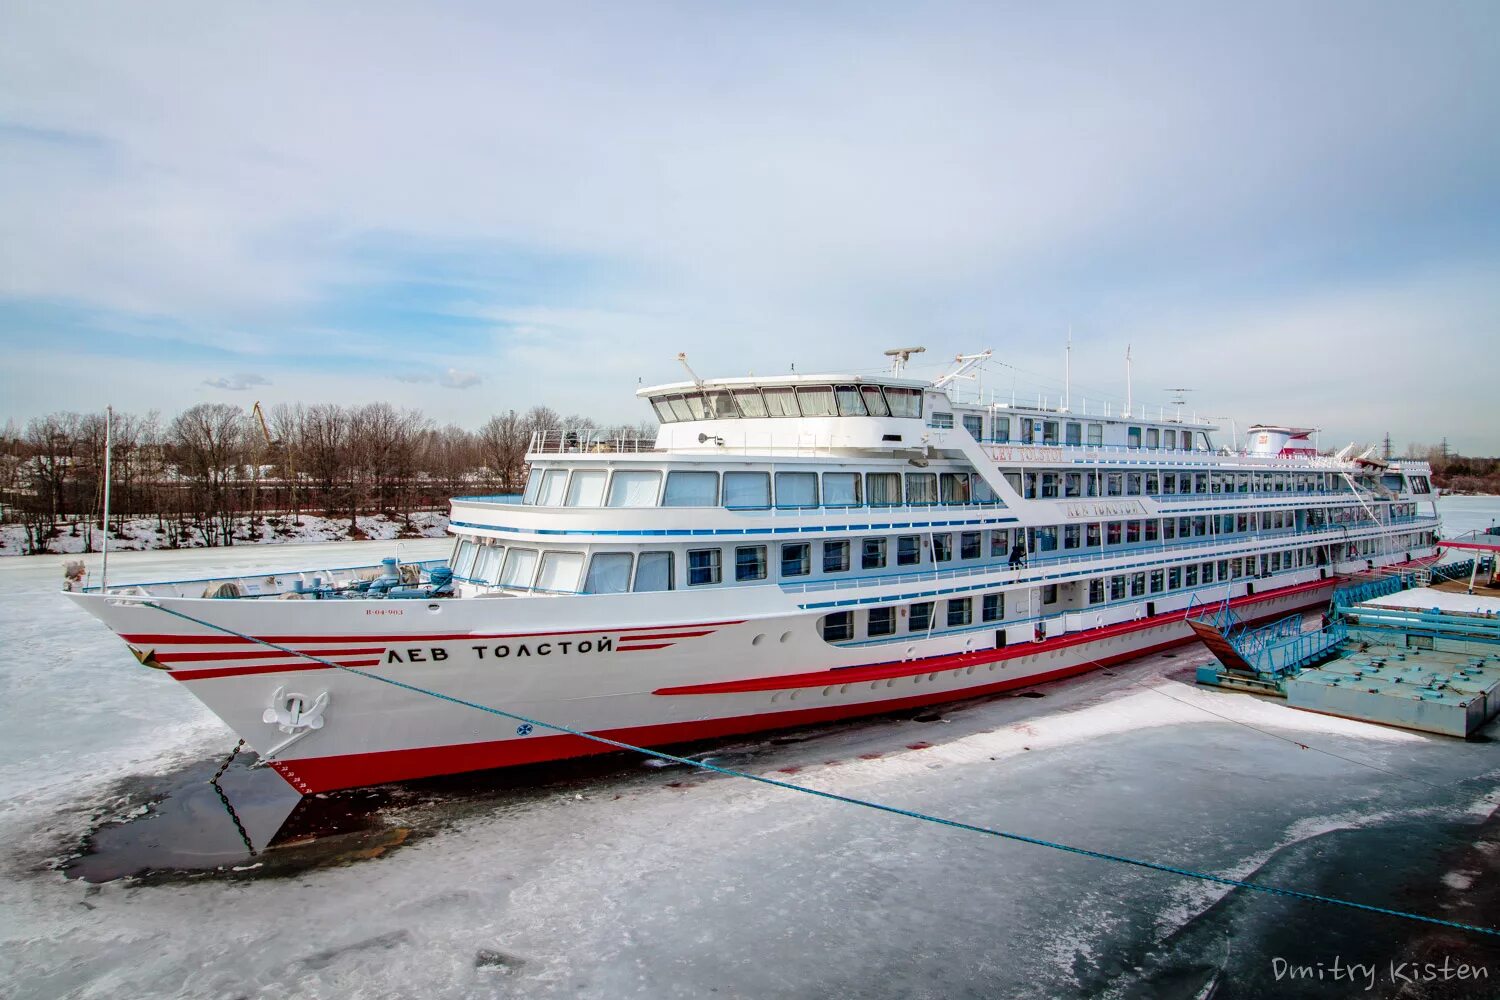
{"points": [[291, 471]]}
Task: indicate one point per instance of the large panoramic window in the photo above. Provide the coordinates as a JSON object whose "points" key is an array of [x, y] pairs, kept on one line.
{"points": [[796, 489], [883, 488], [691, 489], [750, 403], [921, 488], [559, 572], [609, 573], [874, 401], [487, 566], [520, 564], [747, 489], [654, 572], [816, 400], [781, 401], [586, 489], [850, 403], [904, 402], [840, 489], [634, 488], [554, 487]]}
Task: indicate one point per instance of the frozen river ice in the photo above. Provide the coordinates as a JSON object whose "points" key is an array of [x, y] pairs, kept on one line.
{"points": [[617, 879]]}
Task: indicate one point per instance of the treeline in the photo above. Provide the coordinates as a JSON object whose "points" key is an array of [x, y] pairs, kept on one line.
{"points": [[214, 465], [1460, 473]]}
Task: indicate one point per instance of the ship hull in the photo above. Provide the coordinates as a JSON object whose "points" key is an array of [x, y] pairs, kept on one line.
{"points": [[642, 684]]}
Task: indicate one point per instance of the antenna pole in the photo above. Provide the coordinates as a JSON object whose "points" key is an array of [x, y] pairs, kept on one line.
{"points": [[1068, 373], [1128, 400], [109, 420]]}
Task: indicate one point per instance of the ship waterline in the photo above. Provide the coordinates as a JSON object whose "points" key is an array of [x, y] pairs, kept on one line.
{"points": [[789, 550]]}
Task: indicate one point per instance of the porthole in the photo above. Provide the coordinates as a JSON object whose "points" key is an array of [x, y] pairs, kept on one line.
{"points": [[758, 639], [784, 637], [434, 608]]}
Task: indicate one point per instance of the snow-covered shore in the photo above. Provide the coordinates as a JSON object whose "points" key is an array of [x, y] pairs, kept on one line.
{"points": [[141, 534]]}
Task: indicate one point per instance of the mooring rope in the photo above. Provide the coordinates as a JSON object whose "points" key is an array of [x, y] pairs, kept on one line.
{"points": [[1021, 838]]}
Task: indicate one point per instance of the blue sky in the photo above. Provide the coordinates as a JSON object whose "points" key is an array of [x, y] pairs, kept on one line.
{"points": [[1293, 209]]}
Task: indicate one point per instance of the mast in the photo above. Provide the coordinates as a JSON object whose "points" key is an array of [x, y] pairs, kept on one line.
{"points": [[1127, 382], [1068, 373]]}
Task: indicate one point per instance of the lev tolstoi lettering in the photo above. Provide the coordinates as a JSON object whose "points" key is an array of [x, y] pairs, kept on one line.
{"points": [[504, 650]]}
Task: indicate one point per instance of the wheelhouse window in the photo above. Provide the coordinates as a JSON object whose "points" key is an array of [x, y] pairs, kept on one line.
{"points": [[874, 401], [796, 489], [872, 553], [883, 488], [796, 558], [836, 556], [781, 401], [691, 489], [720, 405], [747, 490], [849, 401], [634, 488], [908, 550], [904, 402], [841, 489], [816, 400], [750, 403], [663, 409], [609, 573], [560, 571], [749, 563], [703, 567], [654, 571]]}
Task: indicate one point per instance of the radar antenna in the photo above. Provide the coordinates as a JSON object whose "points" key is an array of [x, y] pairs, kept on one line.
{"points": [[966, 364], [1179, 400], [900, 356]]}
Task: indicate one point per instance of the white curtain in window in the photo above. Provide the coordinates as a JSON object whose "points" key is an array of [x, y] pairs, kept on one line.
{"points": [[747, 489], [587, 488], [554, 486], [883, 487], [654, 571], [840, 489], [609, 573], [560, 571], [796, 489], [519, 566], [487, 567], [692, 489], [634, 488]]}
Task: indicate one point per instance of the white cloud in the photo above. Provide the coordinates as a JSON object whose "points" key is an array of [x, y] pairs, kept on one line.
{"points": [[244, 380], [455, 379]]}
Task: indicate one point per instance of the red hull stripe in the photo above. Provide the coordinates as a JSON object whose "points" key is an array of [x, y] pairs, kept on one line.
{"points": [[909, 668], [266, 654], [264, 668], [324, 774], [666, 635], [219, 639], [649, 645]]}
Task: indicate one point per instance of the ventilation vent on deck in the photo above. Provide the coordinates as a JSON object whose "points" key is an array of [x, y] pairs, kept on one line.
{"points": [[891, 437]]}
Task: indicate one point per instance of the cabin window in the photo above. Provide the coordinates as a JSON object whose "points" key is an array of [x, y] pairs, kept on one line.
{"points": [[816, 400], [883, 488], [749, 563], [1000, 429], [920, 619], [463, 557], [1153, 437], [954, 486], [1072, 433], [560, 571], [796, 558], [1096, 591], [1169, 438], [691, 489], [836, 556], [586, 489], [1190, 576], [749, 402], [609, 573], [1156, 581], [533, 486], [980, 490], [1096, 433], [1132, 532], [1091, 536], [1114, 484], [781, 401], [1049, 485], [838, 626], [1150, 531], [1072, 537], [747, 490], [1044, 539], [654, 571], [796, 489], [634, 488], [874, 401], [1117, 588], [908, 550], [872, 554], [841, 489], [1174, 578], [1049, 432], [554, 488], [882, 621], [520, 566], [487, 566], [921, 488], [968, 545], [1072, 484], [940, 421], [904, 402], [1133, 437], [974, 425], [1049, 594], [704, 567], [993, 607], [942, 547], [849, 401], [1028, 429], [960, 612]]}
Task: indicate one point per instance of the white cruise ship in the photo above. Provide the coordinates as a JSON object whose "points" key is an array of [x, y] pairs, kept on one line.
{"points": [[788, 550]]}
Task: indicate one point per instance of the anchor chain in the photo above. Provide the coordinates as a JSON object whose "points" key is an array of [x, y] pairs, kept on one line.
{"points": [[228, 806]]}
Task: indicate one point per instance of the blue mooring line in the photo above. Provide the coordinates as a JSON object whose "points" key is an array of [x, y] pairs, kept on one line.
{"points": [[849, 800]]}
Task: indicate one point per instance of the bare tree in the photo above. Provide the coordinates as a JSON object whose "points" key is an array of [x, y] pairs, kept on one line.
{"points": [[210, 442]]}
